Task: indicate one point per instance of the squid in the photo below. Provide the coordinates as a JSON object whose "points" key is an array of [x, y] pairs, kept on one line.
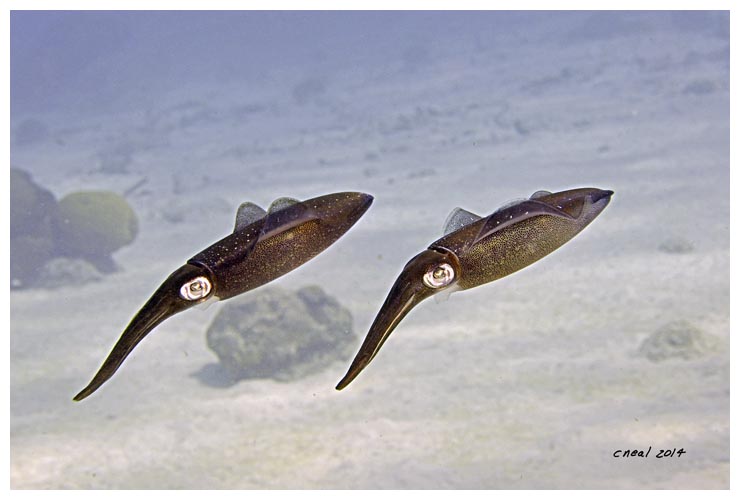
{"points": [[263, 246], [476, 250]]}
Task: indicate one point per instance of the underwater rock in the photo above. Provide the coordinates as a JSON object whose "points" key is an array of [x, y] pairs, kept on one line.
{"points": [[677, 339], [32, 208], [94, 224], [33, 211], [676, 245], [62, 271], [281, 335]]}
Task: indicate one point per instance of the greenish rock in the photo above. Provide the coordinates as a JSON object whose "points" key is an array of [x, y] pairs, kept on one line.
{"points": [[94, 224], [677, 339], [276, 334]]}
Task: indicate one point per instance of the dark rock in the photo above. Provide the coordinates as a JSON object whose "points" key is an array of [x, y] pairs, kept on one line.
{"points": [[215, 375], [677, 339], [280, 335], [33, 212], [32, 208]]}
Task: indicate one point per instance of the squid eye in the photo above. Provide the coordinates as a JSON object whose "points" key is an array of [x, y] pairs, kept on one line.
{"points": [[196, 288], [439, 276]]}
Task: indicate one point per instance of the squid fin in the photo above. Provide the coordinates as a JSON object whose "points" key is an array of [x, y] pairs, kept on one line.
{"points": [[247, 214], [281, 203], [457, 219], [539, 194]]}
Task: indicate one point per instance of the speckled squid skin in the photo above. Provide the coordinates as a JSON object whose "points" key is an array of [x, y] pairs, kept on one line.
{"points": [[516, 246], [246, 259], [481, 251]]}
